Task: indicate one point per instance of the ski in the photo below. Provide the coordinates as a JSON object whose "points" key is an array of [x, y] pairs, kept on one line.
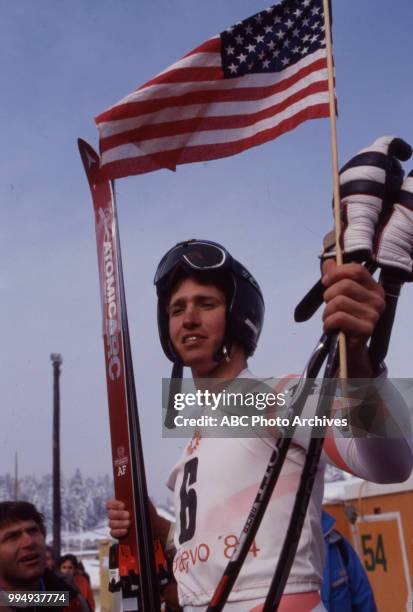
{"points": [[132, 564]]}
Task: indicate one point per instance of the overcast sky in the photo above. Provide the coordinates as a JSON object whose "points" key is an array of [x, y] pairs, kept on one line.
{"points": [[62, 63]]}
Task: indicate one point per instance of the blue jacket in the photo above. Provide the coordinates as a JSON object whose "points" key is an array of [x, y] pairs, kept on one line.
{"points": [[346, 587]]}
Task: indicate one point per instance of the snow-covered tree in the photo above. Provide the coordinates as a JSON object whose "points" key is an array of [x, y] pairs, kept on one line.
{"points": [[83, 500]]}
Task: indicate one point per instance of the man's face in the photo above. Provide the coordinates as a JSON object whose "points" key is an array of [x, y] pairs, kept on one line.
{"points": [[22, 554], [197, 324]]}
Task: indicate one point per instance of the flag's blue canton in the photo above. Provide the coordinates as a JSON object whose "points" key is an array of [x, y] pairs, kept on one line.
{"points": [[273, 39]]}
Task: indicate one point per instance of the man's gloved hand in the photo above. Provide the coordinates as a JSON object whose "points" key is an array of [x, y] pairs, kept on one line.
{"points": [[394, 249], [369, 184]]}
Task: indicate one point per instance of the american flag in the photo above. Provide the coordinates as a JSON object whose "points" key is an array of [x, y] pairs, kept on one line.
{"points": [[253, 82]]}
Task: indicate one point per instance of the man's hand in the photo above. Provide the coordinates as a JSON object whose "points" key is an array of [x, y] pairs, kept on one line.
{"points": [[354, 304], [119, 518], [120, 521]]}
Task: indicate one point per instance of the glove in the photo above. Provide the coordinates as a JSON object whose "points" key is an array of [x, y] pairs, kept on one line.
{"points": [[369, 183], [394, 249]]}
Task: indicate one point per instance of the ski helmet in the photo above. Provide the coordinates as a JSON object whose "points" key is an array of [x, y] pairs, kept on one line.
{"points": [[208, 261]]}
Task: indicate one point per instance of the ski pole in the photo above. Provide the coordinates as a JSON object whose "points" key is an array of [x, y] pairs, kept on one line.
{"points": [[308, 475], [380, 339]]}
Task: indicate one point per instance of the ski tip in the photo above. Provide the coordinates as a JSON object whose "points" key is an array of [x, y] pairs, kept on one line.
{"points": [[85, 147], [89, 156]]}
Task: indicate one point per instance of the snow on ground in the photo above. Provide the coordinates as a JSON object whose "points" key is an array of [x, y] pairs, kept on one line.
{"points": [[84, 540]]}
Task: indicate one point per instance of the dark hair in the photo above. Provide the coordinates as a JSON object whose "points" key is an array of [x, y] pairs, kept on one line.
{"points": [[220, 280], [70, 558], [13, 511]]}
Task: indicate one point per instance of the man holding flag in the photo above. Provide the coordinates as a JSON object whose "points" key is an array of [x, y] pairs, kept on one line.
{"points": [[216, 479], [255, 81]]}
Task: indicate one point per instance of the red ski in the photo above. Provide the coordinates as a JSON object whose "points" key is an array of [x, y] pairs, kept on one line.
{"points": [[132, 562]]}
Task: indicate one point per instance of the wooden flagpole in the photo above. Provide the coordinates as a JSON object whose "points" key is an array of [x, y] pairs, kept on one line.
{"points": [[336, 183]]}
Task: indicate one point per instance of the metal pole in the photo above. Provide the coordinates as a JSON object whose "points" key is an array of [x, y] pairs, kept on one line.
{"points": [[16, 478], [56, 360]]}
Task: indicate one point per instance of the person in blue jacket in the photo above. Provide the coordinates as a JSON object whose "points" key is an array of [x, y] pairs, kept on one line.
{"points": [[346, 587]]}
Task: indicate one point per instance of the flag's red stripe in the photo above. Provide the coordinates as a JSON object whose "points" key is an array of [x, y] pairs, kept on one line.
{"points": [[202, 124], [134, 109], [210, 46], [170, 159], [187, 75]]}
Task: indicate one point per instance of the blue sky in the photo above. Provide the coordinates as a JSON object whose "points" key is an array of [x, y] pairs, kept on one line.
{"points": [[63, 63]]}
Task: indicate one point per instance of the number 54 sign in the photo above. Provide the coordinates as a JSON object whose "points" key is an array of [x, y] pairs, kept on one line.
{"points": [[381, 547]]}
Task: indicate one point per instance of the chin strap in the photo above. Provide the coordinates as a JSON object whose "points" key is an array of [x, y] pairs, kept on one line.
{"points": [[175, 386]]}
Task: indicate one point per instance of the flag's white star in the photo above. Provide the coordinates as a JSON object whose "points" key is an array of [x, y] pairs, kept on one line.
{"points": [[306, 3], [296, 32], [298, 12], [259, 38], [314, 38], [315, 10], [304, 50], [306, 37], [271, 45], [266, 63], [315, 25], [242, 57], [248, 29], [276, 53], [230, 29], [251, 48], [233, 68], [261, 55], [289, 23], [230, 50], [306, 22], [280, 34], [258, 18], [296, 49], [286, 43], [284, 61], [268, 29], [239, 39], [269, 10], [277, 19]]}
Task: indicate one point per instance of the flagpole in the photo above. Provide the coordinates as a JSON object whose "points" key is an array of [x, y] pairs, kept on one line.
{"points": [[336, 183]]}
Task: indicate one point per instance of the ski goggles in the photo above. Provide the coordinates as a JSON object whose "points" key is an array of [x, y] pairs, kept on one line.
{"points": [[198, 254]]}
